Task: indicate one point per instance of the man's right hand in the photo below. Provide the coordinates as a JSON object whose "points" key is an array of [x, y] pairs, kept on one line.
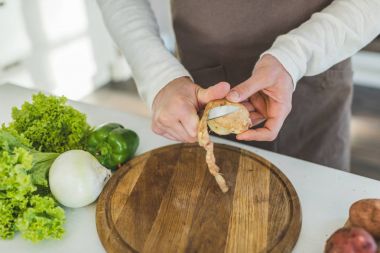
{"points": [[175, 108]]}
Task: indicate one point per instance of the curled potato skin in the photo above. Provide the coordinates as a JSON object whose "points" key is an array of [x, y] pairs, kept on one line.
{"points": [[236, 122], [351, 240], [205, 142], [365, 213]]}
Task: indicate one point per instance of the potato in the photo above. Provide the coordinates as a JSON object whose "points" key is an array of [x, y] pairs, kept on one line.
{"points": [[351, 240], [236, 122], [365, 213]]}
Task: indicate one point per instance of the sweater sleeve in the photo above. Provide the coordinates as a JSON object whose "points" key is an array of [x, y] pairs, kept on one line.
{"points": [[133, 27], [328, 37]]}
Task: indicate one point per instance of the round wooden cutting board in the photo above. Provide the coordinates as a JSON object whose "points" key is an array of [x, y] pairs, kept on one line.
{"points": [[166, 201]]}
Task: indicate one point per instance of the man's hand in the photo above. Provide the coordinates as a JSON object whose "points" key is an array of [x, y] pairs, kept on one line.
{"points": [[175, 108], [267, 94]]}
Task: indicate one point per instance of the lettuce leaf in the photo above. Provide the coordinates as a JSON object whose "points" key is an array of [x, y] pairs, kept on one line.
{"points": [[15, 188], [43, 219], [10, 139], [21, 208], [40, 167], [49, 124], [41, 162]]}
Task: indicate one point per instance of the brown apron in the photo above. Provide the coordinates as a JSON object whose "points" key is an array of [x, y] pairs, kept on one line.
{"points": [[221, 40]]}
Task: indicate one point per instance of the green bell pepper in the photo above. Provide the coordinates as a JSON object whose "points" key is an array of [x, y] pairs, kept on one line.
{"points": [[112, 144]]}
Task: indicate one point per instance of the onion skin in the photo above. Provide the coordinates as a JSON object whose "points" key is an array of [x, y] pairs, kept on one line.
{"points": [[76, 178]]}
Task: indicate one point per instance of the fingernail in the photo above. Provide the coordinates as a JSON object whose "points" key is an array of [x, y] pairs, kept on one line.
{"points": [[233, 96]]}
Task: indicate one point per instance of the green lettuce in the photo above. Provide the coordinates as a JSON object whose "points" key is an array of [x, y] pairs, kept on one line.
{"points": [[43, 219], [49, 124], [23, 176], [41, 162], [15, 188]]}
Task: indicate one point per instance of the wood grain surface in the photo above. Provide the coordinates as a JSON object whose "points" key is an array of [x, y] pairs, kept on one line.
{"points": [[166, 201]]}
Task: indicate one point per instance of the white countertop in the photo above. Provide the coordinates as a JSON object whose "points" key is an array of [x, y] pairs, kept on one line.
{"points": [[325, 194]]}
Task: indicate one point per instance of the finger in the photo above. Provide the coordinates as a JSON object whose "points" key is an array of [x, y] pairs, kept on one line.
{"points": [[217, 91], [256, 118], [177, 130], [157, 129], [168, 136], [267, 133], [190, 138], [163, 130], [259, 103], [249, 106], [245, 89], [190, 122]]}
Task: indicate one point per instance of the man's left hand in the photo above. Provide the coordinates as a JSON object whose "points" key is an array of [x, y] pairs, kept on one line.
{"points": [[267, 94]]}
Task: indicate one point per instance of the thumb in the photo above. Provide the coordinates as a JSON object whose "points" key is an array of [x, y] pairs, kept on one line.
{"points": [[245, 89], [217, 91]]}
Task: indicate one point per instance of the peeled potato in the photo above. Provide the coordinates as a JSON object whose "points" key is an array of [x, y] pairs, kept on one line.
{"points": [[236, 122], [365, 213]]}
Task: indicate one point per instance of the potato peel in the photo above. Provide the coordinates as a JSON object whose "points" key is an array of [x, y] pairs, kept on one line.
{"points": [[235, 122]]}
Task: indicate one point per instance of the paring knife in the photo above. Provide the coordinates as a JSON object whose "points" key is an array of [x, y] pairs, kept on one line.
{"points": [[221, 111]]}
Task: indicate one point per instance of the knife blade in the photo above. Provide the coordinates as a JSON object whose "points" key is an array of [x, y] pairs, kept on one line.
{"points": [[221, 111]]}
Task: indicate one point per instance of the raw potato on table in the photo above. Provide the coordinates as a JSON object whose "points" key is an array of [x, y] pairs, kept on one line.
{"points": [[365, 213], [351, 240], [236, 122], [360, 231]]}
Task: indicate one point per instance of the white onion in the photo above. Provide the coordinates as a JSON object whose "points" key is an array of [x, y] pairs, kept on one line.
{"points": [[76, 178]]}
